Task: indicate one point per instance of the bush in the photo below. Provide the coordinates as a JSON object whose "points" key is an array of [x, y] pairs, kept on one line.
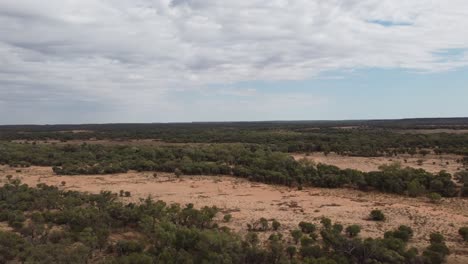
{"points": [[227, 218], [296, 235], [275, 225], [435, 197], [353, 230], [436, 238], [376, 215], [463, 231], [126, 247], [403, 232], [307, 227]]}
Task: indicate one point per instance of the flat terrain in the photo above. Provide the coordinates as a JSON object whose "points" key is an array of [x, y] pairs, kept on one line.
{"points": [[248, 201], [431, 162]]}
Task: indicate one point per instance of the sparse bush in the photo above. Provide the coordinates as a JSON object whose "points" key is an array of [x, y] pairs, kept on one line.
{"points": [[376, 215]]}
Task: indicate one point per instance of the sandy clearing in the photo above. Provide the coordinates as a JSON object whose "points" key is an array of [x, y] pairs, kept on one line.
{"points": [[432, 163], [248, 201]]}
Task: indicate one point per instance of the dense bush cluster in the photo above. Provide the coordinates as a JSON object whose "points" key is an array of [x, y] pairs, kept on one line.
{"points": [[55, 226], [248, 161]]}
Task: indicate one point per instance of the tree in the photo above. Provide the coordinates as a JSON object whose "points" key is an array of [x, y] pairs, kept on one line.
{"points": [[353, 230], [275, 225], [263, 224], [437, 251], [415, 188], [291, 250], [296, 235], [307, 227]]}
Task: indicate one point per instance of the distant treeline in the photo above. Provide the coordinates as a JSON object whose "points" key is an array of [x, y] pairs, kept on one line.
{"points": [[279, 137], [67, 227], [254, 162]]}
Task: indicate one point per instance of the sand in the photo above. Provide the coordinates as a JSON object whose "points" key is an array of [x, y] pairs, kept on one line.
{"points": [[431, 162]]}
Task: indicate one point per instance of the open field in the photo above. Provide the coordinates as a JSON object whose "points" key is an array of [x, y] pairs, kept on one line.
{"points": [[431, 163], [248, 201]]}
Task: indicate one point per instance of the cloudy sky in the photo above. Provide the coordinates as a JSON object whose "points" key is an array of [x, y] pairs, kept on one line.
{"points": [[94, 61]]}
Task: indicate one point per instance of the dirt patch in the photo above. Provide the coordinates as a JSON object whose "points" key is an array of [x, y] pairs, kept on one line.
{"points": [[247, 202], [432, 163]]}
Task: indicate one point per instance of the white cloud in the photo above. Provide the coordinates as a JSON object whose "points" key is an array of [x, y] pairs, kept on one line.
{"points": [[131, 53]]}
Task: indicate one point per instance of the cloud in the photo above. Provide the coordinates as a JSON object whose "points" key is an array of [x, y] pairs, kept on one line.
{"points": [[134, 53]]}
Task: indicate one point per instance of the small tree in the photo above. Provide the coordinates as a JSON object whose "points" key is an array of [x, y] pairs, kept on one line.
{"points": [[275, 224], [307, 227], [263, 224], [326, 222], [353, 230], [463, 231], [377, 215], [437, 251], [177, 173], [296, 235], [291, 250]]}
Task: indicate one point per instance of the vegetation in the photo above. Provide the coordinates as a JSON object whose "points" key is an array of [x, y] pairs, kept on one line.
{"points": [[463, 231], [376, 215], [253, 162], [366, 138], [55, 226]]}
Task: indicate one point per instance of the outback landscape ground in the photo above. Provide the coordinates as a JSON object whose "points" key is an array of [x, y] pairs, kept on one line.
{"points": [[249, 201], [250, 174]]}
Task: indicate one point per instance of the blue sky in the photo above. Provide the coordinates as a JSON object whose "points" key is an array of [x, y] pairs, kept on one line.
{"points": [[359, 94], [100, 61]]}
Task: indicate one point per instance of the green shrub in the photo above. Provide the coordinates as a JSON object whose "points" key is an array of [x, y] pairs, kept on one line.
{"points": [[275, 225], [353, 230], [435, 197], [463, 231], [376, 215], [227, 218]]}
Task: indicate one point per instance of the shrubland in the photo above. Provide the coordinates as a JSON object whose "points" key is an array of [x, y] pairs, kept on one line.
{"points": [[50, 225], [254, 162]]}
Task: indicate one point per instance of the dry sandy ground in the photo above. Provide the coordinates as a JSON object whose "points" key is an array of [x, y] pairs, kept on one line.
{"points": [[432, 163], [248, 201]]}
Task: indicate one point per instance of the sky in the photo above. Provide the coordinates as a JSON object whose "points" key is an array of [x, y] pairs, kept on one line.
{"points": [[114, 61]]}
